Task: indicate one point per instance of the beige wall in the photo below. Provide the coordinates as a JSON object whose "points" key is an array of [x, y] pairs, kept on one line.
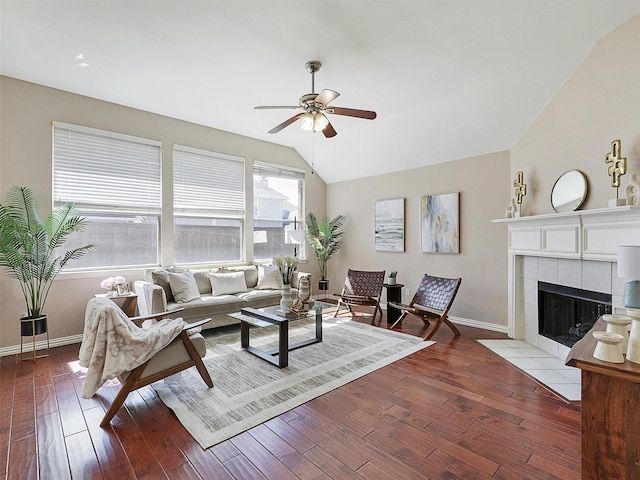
{"points": [[599, 103], [484, 185], [26, 115]]}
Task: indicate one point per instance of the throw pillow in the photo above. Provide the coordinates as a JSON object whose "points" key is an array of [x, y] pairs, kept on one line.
{"points": [[227, 283], [161, 278], [269, 277], [184, 286]]}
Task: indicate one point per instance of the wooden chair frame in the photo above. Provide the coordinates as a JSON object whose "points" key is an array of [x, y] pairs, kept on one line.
{"points": [[431, 302], [362, 288], [134, 380]]}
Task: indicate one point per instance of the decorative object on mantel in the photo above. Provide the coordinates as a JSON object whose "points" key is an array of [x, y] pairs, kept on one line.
{"points": [[629, 267], [617, 168], [511, 209], [569, 191], [632, 191], [633, 347], [521, 191], [618, 324], [608, 349]]}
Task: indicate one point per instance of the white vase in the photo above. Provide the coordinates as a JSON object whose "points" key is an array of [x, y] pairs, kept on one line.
{"points": [[632, 191], [286, 301], [633, 346]]}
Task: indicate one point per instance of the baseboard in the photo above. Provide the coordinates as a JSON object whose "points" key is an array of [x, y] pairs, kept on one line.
{"points": [[478, 324], [472, 323], [41, 344]]}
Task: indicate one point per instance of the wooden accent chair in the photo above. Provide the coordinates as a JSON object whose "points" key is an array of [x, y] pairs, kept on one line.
{"points": [[432, 301], [362, 288], [186, 349]]}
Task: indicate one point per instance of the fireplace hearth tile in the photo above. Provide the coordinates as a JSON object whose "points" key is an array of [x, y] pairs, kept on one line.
{"points": [[543, 366]]}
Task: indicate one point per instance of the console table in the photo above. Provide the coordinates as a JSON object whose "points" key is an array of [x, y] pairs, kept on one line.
{"points": [[610, 412]]}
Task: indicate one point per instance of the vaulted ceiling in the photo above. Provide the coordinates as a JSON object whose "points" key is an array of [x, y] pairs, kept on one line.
{"points": [[448, 79]]}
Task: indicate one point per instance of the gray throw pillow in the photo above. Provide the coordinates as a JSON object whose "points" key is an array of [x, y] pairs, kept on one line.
{"points": [[184, 286]]}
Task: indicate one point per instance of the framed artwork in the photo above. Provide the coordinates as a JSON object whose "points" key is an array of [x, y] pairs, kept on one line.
{"points": [[440, 223], [389, 225]]}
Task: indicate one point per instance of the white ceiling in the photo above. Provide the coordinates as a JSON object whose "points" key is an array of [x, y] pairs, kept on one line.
{"points": [[449, 79]]}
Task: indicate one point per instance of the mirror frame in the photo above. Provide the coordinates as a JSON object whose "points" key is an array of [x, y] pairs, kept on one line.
{"points": [[579, 196]]}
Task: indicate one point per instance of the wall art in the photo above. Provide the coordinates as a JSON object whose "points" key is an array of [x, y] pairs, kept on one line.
{"points": [[440, 223], [389, 225]]}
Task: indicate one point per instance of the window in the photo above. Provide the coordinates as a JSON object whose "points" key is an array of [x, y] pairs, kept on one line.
{"points": [[114, 180], [208, 206], [277, 211]]}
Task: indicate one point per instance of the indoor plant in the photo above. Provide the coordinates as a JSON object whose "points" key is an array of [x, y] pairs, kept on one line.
{"points": [[28, 250], [392, 278], [325, 240], [286, 265]]}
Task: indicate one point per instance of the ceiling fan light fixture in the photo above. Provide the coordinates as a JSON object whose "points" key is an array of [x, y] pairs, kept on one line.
{"points": [[308, 122], [321, 122], [314, 122]]}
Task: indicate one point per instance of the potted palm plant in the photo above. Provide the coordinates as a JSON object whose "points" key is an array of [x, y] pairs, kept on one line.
{"points": [[325, 240], [28, 250]]}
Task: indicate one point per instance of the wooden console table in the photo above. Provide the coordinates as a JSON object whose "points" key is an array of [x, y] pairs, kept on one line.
{"points": [[610, 412]]}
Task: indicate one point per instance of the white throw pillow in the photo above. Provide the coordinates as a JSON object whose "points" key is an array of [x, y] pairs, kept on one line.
{"points": [[183, 286], [269, 277], [227, 283]]}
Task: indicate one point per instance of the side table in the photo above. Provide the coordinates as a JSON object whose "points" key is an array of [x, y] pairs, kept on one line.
{"points": [[394, 294], [128, 302]]}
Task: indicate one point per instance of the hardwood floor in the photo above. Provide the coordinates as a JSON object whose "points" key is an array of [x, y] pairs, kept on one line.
{"points": [[453, 410]]}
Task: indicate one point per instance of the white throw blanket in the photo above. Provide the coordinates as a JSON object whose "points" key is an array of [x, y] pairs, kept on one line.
{"points": [[112, 344]]}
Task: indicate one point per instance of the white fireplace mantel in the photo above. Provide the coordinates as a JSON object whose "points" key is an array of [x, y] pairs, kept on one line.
{"points": [[583, 235]]}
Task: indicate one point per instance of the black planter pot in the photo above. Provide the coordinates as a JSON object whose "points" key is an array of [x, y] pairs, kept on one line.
{"points": [[323, 285], [33, 326]]}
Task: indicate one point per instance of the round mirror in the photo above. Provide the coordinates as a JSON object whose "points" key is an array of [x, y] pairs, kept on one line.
{"points": [[569, 191]]}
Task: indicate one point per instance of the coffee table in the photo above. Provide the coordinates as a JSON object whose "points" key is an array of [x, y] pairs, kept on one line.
{"points": [[267, 317]]}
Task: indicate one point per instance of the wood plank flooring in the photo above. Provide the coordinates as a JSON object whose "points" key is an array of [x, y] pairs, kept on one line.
{"points": [[453, 410]]}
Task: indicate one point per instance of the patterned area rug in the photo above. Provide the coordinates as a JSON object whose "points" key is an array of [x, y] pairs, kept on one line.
{"points": [[248, 391]]}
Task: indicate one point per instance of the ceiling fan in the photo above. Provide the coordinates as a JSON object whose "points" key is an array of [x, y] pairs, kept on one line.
{"points": [[315, 106]]}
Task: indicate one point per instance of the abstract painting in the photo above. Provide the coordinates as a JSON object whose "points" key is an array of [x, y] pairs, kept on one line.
{"points": [[389, 225], [440, 223]]}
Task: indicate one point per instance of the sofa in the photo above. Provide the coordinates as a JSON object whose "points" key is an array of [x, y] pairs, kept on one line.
{"points": [[214, 292]]}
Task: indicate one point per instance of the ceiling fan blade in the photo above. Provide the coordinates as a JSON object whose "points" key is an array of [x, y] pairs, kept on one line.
{"points": [[270, 107], [326, 96], [329, 131], [352, 112], [286, 123]]}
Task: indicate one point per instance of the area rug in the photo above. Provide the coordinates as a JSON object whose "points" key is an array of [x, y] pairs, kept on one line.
{"points": [[248, 391]]}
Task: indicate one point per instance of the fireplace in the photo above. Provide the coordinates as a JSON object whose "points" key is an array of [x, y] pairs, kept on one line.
{"points": [[566, 314]]}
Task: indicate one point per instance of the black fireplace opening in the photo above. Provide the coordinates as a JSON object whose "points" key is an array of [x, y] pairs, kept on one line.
{"points": [[566, 314]]}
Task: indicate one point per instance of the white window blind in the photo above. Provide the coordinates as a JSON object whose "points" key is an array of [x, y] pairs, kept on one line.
{"points": [[275, 171], [106, 172], [207, 183]]}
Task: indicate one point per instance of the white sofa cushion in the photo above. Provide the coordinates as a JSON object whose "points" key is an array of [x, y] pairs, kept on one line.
{"points": [[227, 283], [269, 277]]}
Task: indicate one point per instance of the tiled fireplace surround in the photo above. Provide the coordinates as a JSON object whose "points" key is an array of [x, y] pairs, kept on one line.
{"points": [[575, 249]]}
